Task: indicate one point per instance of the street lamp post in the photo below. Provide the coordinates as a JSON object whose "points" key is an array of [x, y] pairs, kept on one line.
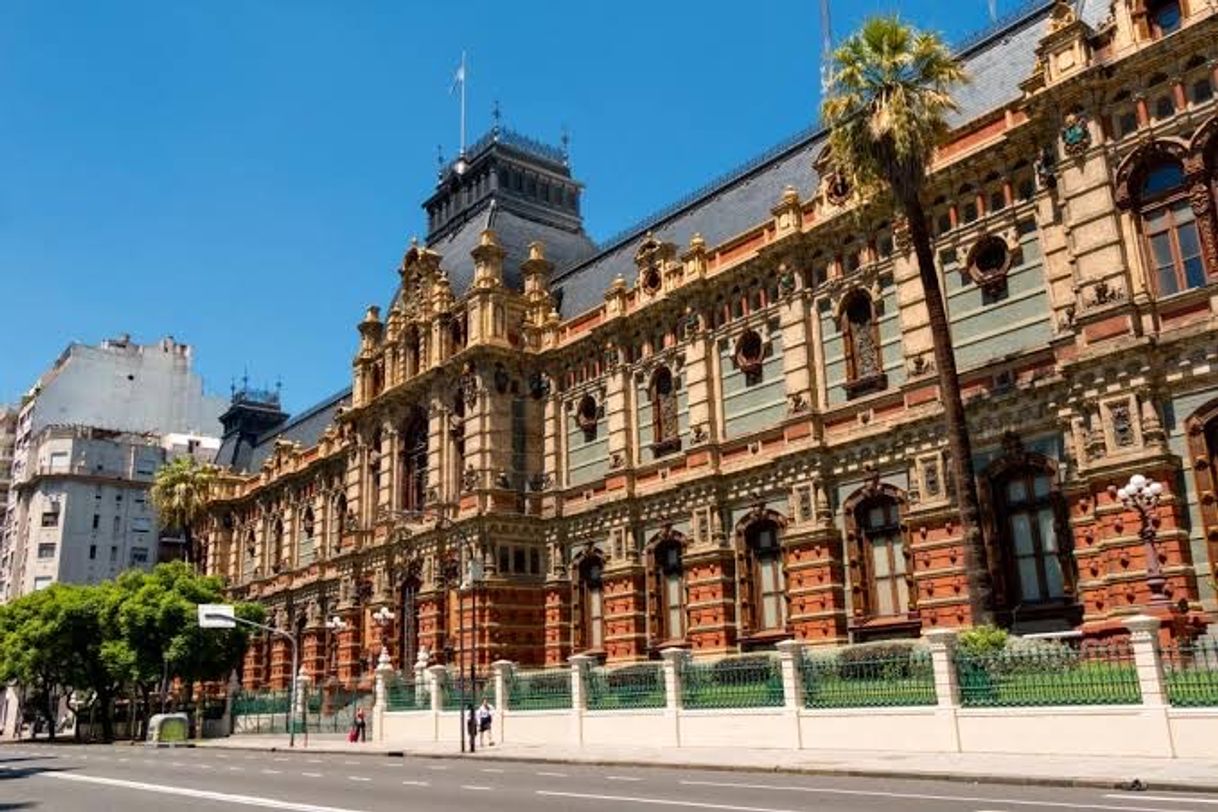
{"points": [[1142, 494], [382, 618]]}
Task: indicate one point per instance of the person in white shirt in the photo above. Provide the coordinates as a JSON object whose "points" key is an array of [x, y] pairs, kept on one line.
{"points": [[486, 715]]}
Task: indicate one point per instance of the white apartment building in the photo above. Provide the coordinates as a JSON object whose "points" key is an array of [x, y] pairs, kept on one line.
{"points": [[89, 437]]}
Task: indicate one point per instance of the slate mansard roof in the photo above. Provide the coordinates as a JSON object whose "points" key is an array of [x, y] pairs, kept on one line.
{"points": [[997, 62]]}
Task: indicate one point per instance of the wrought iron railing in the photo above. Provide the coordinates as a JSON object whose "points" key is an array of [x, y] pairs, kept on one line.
{"points": [[1041, 672], [868, 676], [456, 693], [751, 681], [540, 690], [628, 687], [1190, 673], [406, 695]]}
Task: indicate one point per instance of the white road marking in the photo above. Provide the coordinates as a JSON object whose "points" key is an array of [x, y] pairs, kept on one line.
{"points": [[491, 770], [279, 759], [272, 772], [553, 775], [475, 788], [736, 808], [222, 797], [350, 762], [416, 784], [622, 778], [357, 778], [437, 767], [315, 761], [236, 769], [123, 760], [1168, 799], [221, 756], [205, 767], [924, 797], [311, 775]]}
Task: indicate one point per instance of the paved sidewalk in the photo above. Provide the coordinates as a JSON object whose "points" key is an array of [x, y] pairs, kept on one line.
{"points": [[1192, 775]]}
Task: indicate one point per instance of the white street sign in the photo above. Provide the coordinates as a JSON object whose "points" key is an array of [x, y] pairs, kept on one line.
{"points": [[216, 616]]}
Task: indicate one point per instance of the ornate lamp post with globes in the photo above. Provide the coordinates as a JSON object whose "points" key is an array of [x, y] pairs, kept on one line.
{"points": [[383, 617], [1142, 494]]}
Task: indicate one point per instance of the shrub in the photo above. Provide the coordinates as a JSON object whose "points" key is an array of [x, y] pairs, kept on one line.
{"points": [[735, 670], [641, 677], [982, 640], [891, 659]]}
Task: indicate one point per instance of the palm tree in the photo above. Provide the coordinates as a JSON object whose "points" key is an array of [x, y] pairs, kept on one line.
{"points": [[178, 492], [886, 111]]}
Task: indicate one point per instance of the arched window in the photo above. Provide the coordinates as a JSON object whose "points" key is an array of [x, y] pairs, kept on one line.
{"points": [[374, 468], [592, 602], [1026, 507], [665, 429], [307, 524], [878, 524], [1169, 227], [277, 546], [414, 462], [338, 520], [669, 586], [864, 364], [768, 581], [1164, 17]]}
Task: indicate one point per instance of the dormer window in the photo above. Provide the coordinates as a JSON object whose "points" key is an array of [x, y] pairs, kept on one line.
{"points": [[1164, 17]]}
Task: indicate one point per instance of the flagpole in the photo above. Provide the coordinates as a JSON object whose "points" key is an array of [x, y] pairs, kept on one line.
{"points": [[463, 102]]}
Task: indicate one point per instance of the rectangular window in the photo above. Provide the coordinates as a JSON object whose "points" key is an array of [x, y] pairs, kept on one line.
{"points": [[518, 559], [50, 518], [505, 560], [46, 550], [42, 582], [596, 618], [141, 524], [118, 525], [92, 552], [535, 561], [113, 553], [139, 555], [96, 520], [59, 461], [672, 602]]}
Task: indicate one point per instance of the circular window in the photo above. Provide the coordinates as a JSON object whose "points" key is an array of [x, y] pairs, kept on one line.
{"points": [[651, 279], [749, 351], [989, 262], [585, 415]]}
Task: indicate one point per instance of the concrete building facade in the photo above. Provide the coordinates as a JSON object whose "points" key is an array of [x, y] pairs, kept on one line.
{"points": [[88, 439], [722, 428]]}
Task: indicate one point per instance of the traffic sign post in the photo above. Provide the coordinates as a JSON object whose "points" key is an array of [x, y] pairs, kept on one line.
{"points": [[222, 616]]}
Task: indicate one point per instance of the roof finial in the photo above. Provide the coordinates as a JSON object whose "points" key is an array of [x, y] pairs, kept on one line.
{"points": [[565, 140], [496, 118], [439, 160]]}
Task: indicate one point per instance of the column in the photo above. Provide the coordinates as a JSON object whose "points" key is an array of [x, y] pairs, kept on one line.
{"points": [[673, 660], [579, 700], [435, 676], [384, 671], [942, 643], [503, 682], [789, 653], [1144, 634]]}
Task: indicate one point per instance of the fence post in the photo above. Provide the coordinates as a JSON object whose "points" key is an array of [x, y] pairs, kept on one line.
{"points": [[436, 674], [1148, 662], [503, 682], [579, 700], [673, 659], [300, 715], [384, 668], [789, 654], [942, 644], [230, 721]]}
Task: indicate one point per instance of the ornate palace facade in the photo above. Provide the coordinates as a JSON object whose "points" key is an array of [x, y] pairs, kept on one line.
{"points": [[722, 429]]}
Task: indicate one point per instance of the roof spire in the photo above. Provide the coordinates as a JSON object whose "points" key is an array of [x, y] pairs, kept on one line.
{"points": [[565, 140], [496, 118]]}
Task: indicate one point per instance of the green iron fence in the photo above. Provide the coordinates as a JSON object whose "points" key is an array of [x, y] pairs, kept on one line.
{"points": [[261, 711], [1190, 673], [868, 676], [1040, 672], [540, 690], [406, 695], [629, 687], [753, 681], [456, 690]]}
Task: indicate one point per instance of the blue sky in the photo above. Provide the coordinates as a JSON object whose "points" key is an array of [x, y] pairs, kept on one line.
{"points": [[245, 175]]}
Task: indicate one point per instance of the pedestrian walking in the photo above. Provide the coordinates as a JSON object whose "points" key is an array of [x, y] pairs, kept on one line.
{"points": [[471, 727], [486, 717], [361, 726]]}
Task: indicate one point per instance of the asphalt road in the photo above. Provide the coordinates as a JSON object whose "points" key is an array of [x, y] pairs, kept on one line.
{"points": [[66, 778]]}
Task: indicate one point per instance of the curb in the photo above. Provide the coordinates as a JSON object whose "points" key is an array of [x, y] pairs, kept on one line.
{"points": [[1133, 785]]}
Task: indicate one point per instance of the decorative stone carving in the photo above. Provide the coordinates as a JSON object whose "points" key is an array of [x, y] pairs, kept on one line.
{"points": [[541, 482], [1075, 134], [468, 384], [698, 433], [837, 188], [469, 479], [616, 460], [313, 614], [799, 404], [902, 240], [786, 280], [1122, 424], [1104, 293], [539, 385], [921, 365]]}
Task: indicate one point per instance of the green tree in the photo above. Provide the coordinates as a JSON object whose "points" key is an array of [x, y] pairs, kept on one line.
{"points": [[178, 492], [887, 112]]}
